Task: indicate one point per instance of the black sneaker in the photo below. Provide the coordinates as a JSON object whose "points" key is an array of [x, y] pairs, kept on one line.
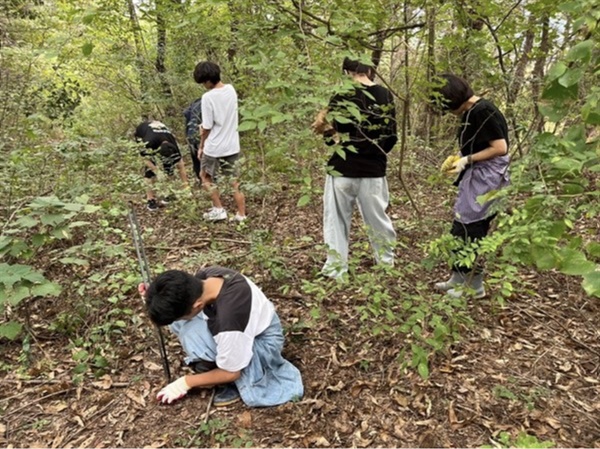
{"points": [[152, 205], [226, 395], [168, 199]]}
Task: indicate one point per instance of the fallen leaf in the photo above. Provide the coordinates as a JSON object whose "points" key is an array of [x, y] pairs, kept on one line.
{"points": [[320, 441], [151, 366], [401, 400], [340, 385], [334, 357], [554, 423], [135, 398], [452, 414], [245, 420], [427, 422], [565, 367], [57, 407], [79, 421], [104, 383]]}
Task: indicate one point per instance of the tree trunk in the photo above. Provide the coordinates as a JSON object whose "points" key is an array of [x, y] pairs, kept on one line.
{"points": [[161, 47], [139, 60], [429, 121], [521, 65], [538, 69]]}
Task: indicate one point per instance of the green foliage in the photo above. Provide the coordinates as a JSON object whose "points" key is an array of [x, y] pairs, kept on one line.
{"points": [[523, 440], [214, 433], [30, 230]]}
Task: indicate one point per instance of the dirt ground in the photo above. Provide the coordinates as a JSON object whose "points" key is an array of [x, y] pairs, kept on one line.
{"points": [[531, 366]]}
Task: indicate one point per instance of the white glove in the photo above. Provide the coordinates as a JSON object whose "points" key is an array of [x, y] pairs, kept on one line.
{"points": [[173, 391], [460, 165]]}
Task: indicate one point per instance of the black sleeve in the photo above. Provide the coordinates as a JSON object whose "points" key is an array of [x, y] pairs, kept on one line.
{"points": [[339, 106], [390, 134], [215, 271], [489, 125]]}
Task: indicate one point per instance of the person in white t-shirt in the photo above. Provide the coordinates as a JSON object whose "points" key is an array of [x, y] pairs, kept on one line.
{"points": [[230, 333], [219, 149]]}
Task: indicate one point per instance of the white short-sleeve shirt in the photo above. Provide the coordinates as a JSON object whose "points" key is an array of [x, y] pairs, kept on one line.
{"points": [[220, 116]]}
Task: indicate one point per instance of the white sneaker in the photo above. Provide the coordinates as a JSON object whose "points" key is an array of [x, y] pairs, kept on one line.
{"points": [[239, 218], [215, 215]]}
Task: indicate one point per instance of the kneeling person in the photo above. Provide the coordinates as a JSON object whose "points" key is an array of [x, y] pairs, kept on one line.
{"points": [[231, 335], [161, 144]]}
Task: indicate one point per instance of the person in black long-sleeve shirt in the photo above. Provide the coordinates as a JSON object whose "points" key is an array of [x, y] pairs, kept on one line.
{"points": [[363, 132]]}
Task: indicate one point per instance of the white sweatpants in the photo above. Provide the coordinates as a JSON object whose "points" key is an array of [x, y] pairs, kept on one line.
{"points": [[372, 197]]}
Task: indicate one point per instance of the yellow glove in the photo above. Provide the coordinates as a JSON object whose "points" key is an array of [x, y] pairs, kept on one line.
{"points": [[449, 163], [320, 125], [460, 165]]}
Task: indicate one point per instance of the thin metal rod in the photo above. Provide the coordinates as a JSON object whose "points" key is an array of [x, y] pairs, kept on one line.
{"points": [[145, 271]]}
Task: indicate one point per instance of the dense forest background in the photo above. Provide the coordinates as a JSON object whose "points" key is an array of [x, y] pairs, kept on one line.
{"points": [[384, 358]]}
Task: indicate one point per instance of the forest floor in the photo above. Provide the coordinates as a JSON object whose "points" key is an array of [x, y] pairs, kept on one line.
{"points": [[530, 366]]}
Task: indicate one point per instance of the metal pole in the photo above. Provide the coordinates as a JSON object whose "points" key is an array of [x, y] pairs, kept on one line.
{"points": [[145, 271]]}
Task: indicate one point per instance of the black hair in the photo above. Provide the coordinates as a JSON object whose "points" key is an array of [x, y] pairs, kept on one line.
{"points": [[452, 93], [171, 296], [207, 71], [352, 65]]}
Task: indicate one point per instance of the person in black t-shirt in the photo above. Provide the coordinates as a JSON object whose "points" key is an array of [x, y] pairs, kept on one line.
{"points": [[363, 129], [482, 167], [193, 120], [160, 144]]}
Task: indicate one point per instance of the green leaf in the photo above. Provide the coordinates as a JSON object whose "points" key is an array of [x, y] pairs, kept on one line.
{"points": [[89, 18], [554, 113], [574, 262], [52, 219], [38, 239], [593, 249], [74, 261], [543, 257], [591, 283], [11, 274], [571, 77], [81, 355], [423, 370], [10, 330], [27, 222], [303, 201], [582, 51], [572, 188], [46, 289], [559, 93], [246, 125], [568, 164], [17, 295], [87, 49], [556, 71], [557, 229]]}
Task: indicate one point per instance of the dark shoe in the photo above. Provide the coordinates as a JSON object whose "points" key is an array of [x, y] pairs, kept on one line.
{"points": [[168, 199], [226, 395], [152, 205], [456, 279], [202, 366], [473, 286]]}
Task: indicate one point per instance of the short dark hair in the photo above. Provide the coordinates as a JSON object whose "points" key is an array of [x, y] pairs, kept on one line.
{"points": [[352, 65], [207, 71], [171, 296], [452, 93]]}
